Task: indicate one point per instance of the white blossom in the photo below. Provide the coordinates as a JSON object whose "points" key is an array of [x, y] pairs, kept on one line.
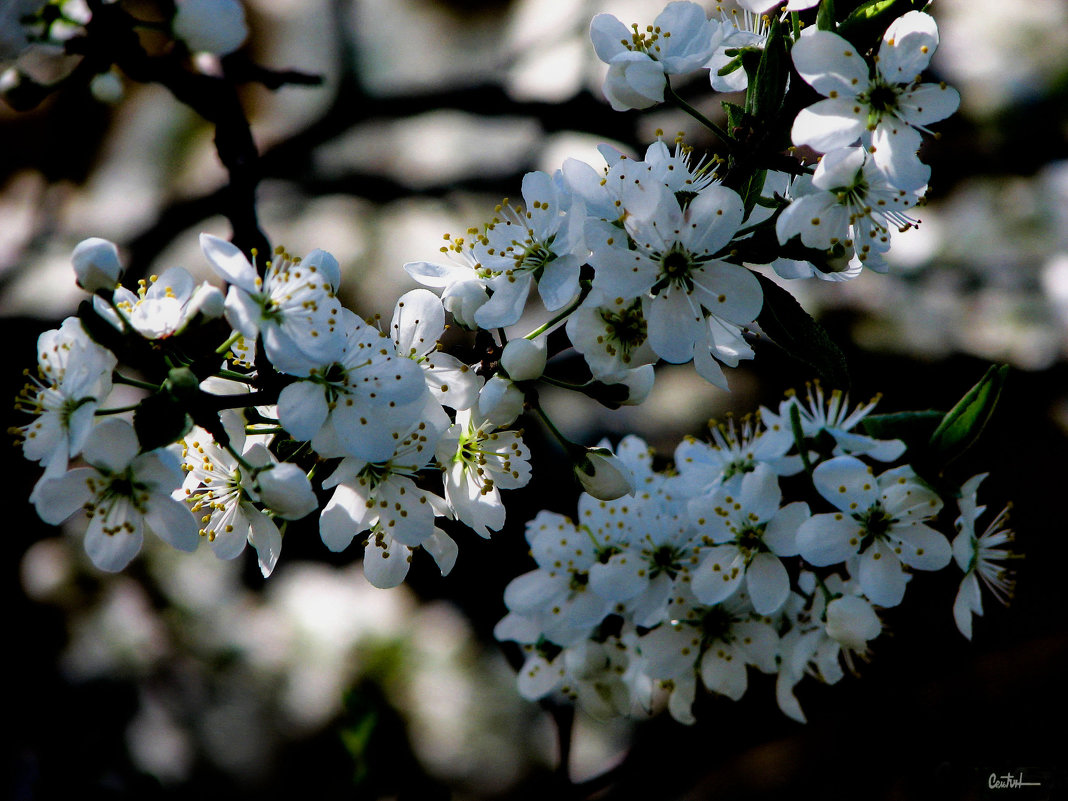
{"points": [[121, 491]]}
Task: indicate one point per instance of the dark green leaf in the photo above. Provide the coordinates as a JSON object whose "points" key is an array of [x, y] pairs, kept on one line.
{"points": [[865, 26], [790, 327], [913, 428], [737, 117], [962, 425], [751, 190], [767, 88]]}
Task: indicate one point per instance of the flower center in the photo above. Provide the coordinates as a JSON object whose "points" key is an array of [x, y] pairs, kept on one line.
{"points": [[882, 99], [627, 328], [666, 559], [875, 523], [750, 541]]}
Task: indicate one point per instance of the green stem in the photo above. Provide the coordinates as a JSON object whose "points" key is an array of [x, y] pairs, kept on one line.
{"points": [[118, 378], [673, 96], [556, 382], [235, 376], [541, 329], [234, 337], [564, 441], [116, 410]]}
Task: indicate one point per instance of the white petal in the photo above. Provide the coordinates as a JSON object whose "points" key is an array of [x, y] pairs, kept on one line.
{"points": [[267, 540], [907, 47], [828, 539], [302, 409], [847, 483], [923, 548], [444, 550], [111, 445], [719, 574], [386, 565], [724, 672], [229, 262], [967, 603], [172, 522], [881, 576], [608, 34], [56, 499], [285, 490], [829, 124], [830, 64], [112, 552], [620, 579], [674, 325], [418, 323], [768, 583]]}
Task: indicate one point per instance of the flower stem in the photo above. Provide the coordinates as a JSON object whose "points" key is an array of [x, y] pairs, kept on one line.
{"points": [[567, 444], [697, 115], [118, 378], [234, 337], [541, 329], [116, 410]]}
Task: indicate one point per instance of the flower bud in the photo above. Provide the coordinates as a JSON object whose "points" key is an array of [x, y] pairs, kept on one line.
{"points": [[500, 401], [523, 359], [604, 475], [210, 26], [852, 622], [96, 264]]}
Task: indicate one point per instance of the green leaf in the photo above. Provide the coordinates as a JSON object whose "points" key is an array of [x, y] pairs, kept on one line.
{"points": [[865, 26], [912, 428], [751, 190], [962, 425], [768, 87], [790, 327], [159, 420], [737, 117]]}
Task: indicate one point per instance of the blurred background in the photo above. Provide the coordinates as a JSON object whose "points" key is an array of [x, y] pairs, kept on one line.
{"points": [[188, 677]]}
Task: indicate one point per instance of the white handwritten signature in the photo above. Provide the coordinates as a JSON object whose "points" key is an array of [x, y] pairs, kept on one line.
{"points": [[1008, 782]]}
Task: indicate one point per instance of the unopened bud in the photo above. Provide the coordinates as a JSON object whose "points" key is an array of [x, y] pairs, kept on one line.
{"points": [[604, 475], [852, 622], [523, 359], [96, 264]]}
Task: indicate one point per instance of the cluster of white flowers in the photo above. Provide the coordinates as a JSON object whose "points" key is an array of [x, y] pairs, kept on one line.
{"points": [[711, 568], [655, 232], [373, 404], [867, 126], [267, 400]]}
